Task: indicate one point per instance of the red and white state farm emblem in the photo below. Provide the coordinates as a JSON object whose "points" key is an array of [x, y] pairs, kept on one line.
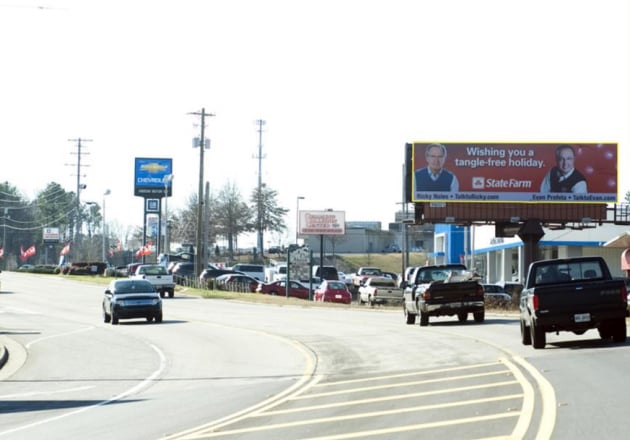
{"points": [[478, 183]]}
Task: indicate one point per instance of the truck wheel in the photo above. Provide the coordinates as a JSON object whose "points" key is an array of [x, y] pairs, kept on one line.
{"points": [[106, 317], [462, 317], [539, 339], [361, 300], [479, 316], [526, 337], [158, 318], [619, 330], [410, 317], [114, 319], [161, 294], [424, 319], [171, 293]]}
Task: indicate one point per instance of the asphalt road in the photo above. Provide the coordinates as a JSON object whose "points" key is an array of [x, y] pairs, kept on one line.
{"points": [[227, 369]]}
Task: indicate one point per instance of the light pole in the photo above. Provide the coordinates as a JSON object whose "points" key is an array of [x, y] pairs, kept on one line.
{"points": [[104, 228], [167, 180], [297, 218], [4, 234]]}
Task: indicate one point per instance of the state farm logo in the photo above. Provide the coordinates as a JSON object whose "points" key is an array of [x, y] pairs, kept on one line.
{"points": [[478, 183]]}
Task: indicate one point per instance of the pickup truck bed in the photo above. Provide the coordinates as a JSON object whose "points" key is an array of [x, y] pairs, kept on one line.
{"points": [[380, 290], [157, 275]]}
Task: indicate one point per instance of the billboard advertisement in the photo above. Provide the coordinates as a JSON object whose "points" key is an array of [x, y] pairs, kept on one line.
{"points": [[321, 222], [514, 172], [149, 177]]}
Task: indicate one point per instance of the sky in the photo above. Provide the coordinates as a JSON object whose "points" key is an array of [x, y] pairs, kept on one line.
{"points": [[341, 84]]}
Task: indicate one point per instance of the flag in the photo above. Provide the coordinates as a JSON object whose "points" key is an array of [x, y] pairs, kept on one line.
{"points": [[144, 250], [25, 254], [65, 249], [1, 252]]}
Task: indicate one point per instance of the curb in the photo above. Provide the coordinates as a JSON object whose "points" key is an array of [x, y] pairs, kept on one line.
{"points": [[4, 355]]}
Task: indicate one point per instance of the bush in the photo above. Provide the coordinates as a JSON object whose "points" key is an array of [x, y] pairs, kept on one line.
{"points": [[85, 268]]}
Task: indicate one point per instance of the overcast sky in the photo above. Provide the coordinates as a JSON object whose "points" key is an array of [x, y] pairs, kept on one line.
{"points": [[342, 85]]}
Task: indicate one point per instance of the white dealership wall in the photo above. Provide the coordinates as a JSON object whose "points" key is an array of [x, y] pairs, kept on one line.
{"points": [[500, 259]]}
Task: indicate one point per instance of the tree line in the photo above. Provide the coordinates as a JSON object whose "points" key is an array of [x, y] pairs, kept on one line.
{"points": [[227, 217]]}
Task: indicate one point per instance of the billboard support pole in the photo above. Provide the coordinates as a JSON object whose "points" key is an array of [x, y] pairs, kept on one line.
{"points": [[531, 232]]}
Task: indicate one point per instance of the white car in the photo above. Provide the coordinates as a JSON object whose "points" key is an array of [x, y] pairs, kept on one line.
{"points": [[345, 278]]}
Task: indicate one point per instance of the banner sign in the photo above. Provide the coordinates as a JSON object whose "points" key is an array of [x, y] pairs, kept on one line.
{"points": [[150, 177], [322, 222], [514, 172]]}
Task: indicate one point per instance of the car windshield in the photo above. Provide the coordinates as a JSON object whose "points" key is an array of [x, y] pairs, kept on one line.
{"points": [[123, 287]]}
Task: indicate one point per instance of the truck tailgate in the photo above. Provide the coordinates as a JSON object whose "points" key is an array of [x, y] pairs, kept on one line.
{"points": [[591, 295], [450, 292]]}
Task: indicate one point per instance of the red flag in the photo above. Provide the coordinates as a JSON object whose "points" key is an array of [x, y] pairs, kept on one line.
{"points": [[144, 250], [25, 254], [65, 249], [1, 252]]}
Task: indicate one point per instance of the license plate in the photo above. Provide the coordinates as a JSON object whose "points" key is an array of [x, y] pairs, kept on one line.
{"points": [[582, 317], [338, 296]]}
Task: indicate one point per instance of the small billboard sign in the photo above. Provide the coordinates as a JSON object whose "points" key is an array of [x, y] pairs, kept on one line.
{"points": [[51, 235], [322, 223]]}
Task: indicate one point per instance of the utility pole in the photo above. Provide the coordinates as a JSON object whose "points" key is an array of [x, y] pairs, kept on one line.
{"points": [[260, 157], [79, 153], [201, 252]]}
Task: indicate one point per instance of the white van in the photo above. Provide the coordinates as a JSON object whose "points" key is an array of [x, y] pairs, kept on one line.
{"points": [[253, 270], [280, 272]]}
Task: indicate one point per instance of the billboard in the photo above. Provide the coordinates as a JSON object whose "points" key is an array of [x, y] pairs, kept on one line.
{"points": [[149, 177], [514, 172], [321, 222]]}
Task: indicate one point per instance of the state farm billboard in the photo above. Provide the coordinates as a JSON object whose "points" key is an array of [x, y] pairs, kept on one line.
{"points": [[322, 222], [514, 172]]}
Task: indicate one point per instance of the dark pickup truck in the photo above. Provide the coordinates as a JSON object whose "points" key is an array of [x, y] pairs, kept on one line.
{"points": [[448, 289], [572, 294]]}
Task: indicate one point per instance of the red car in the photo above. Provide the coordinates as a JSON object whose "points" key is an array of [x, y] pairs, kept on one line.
{"points": [[296, 289], [333, 291]]}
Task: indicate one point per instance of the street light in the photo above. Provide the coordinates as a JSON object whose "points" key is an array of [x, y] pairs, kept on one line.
{"points": [[297, 218], [104, 228], [167, 179]]}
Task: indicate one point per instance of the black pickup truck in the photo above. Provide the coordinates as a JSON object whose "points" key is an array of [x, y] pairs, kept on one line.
{"points": [[572, 294], [448, 289]]}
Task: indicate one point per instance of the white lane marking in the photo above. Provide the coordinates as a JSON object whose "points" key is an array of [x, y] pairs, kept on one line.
{"points": [[124, 394], [45, 393], [18, 310], [35, 341]]}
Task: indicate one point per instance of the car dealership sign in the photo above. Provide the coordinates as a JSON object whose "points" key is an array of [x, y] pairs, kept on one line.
{"points": [[322, 222]]}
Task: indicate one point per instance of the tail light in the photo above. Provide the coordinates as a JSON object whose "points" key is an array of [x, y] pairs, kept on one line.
{"points": [[535, 302], [375, 292], [480, 291], [426, 294]]}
